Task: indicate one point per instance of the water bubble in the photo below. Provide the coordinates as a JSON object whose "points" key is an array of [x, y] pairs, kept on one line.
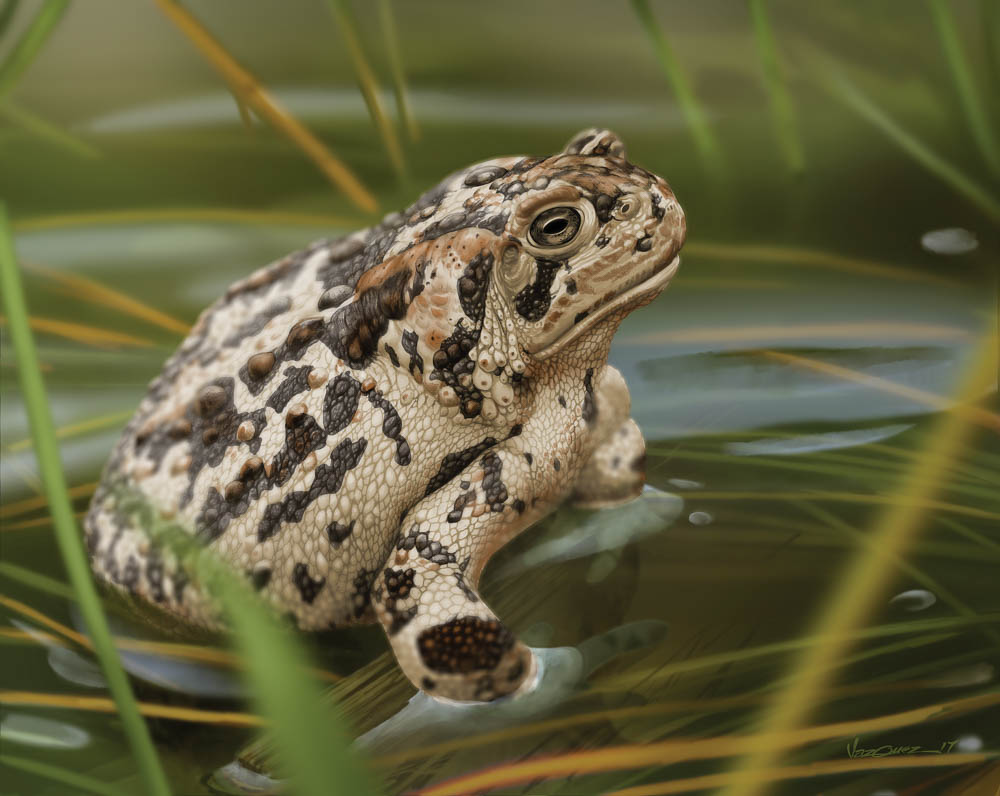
{"points": [[883, 792], [913, 600], [969, 743], [953, 240], [700, 518], [683, 483], [29, 730]]}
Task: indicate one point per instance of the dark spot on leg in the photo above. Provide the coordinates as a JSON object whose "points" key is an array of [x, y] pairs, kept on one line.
{"points": [[308, 588], [464, 645]]}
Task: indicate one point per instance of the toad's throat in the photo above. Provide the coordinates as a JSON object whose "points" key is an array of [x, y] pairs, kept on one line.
{"points": [[634, 295]]}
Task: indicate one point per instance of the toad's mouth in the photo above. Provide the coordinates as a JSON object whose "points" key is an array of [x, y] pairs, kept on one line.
{"points": [[635, 296]]}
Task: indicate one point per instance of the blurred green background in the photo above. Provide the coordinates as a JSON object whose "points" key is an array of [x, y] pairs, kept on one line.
{"points": [[818, 145]]}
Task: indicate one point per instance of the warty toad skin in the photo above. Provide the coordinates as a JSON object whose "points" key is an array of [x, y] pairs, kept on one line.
{"points": [[361, 425]]}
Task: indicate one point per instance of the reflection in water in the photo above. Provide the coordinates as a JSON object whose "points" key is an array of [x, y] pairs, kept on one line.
{"points": [[28, 730], [683, 483], [811, 443], [562, 673], [605, 530]]}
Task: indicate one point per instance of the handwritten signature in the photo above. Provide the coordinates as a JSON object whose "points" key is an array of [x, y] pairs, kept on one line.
{"points": [[888, 750]]}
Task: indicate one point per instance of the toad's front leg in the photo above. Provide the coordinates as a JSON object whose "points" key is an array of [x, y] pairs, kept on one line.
{"points": [[446, 639]]}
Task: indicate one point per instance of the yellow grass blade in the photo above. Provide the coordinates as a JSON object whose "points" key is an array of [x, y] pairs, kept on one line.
{"points": [[686, 706], [791, 255], [96, 704], [96, 293], [636, 679], [617, 758], [37, 616], [170, 649], [36, 522], [35, 637], [861, 585], [253, 94], [78, 332], [973, 414], [808, 770], [73, 429], [168, 215], [847, 330], [40, 501]]}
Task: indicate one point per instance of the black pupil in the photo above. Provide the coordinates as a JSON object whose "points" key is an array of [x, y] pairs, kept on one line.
{"points": [[556, 226]]}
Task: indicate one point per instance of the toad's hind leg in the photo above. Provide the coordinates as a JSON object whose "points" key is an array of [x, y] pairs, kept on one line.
{"points": [[447, 640], [616, 470]]}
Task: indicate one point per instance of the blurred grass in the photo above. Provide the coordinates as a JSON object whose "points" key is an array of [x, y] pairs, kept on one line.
{"points": [[387, 20], [31, 42], [968, 94], [844, 90], [94, 704], [91, 291], [45, 130], [777, 89], [807, 771], [375, 692], [67, 534], [251, 93], [347, 23], [591, 761], [311, 738], [64, 776], [694, 115], [853, 599]]}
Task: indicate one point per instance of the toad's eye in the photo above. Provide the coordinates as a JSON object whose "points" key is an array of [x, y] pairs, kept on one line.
{"points": [[555, 226]]}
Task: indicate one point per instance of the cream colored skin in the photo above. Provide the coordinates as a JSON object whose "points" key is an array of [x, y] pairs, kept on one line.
{"points": [[547, 417]]}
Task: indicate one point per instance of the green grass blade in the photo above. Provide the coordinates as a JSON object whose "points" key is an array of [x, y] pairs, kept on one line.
{"points": [[70, 544], [843, 90], [35, 580], [7, 14], [777, 90], [989, 23], [312, 741], [388, 22], [46, 131], [30, 44], [343, 14], [80, 782], [965, 85], [689, 106]]}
